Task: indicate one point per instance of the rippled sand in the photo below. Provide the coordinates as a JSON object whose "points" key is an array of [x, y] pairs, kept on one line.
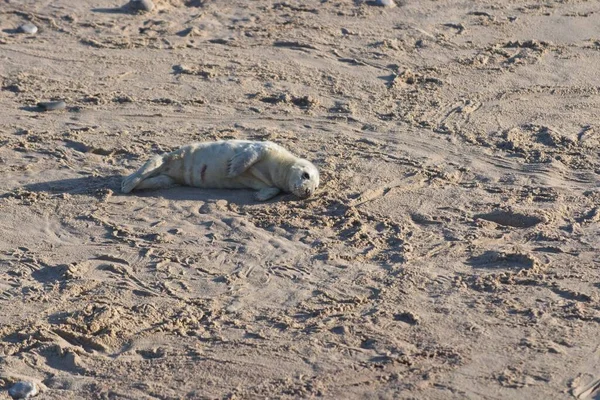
{"points": [[452, 251]]}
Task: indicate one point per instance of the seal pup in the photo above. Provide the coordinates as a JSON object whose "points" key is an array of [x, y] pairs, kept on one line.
{"points": [[229, 164]]}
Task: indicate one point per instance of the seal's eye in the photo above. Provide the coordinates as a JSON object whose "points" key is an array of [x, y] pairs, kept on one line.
{"points": [[305, 175]]}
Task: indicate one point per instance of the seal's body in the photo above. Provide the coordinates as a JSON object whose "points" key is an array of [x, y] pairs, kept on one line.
{"points": [[232, 164]]}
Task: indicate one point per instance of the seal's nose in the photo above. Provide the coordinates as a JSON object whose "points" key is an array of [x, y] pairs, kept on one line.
{"points": [[303, 192]]}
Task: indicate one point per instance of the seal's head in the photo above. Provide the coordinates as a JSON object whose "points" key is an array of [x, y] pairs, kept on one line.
{"points": [[303, 178]]}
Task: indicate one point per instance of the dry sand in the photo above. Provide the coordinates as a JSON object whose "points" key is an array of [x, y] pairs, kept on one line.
{"points": [[452, 251]]}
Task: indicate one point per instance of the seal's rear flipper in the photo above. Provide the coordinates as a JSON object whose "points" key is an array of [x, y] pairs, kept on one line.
{"points": [[156, 182], [153, 167]]}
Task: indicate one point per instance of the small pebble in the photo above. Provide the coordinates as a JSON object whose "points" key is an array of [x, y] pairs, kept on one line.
{"points": [[192, 31], [28, 28], [386, 3], [23, 390], [141, 5], [52, 105]]}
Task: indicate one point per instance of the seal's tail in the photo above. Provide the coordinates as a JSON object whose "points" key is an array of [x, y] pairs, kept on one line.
{"points": [[153, 167]]}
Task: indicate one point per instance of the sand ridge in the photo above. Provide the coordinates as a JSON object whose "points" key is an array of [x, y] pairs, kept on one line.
{"points": [[451, 251]]}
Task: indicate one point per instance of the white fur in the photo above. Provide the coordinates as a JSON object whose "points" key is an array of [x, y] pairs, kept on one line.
{"points": [[232, 164]]}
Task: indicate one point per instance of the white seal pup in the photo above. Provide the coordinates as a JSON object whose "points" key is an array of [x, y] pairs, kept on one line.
{"points": [[230, 164]]}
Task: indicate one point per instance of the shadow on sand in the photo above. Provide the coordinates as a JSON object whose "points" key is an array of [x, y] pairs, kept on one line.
{"points": [[115, 10], [92, 184]]}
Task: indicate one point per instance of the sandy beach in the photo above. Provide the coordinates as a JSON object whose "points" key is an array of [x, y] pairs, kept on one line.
{"points": [[451, 251]]}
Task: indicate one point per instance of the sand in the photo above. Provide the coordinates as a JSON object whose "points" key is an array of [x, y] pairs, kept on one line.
{"points": [[451, 251]]}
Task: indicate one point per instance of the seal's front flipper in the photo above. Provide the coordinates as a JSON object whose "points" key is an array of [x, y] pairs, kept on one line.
{"points": [[153, 167], [244, 158], [267, 193]]}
